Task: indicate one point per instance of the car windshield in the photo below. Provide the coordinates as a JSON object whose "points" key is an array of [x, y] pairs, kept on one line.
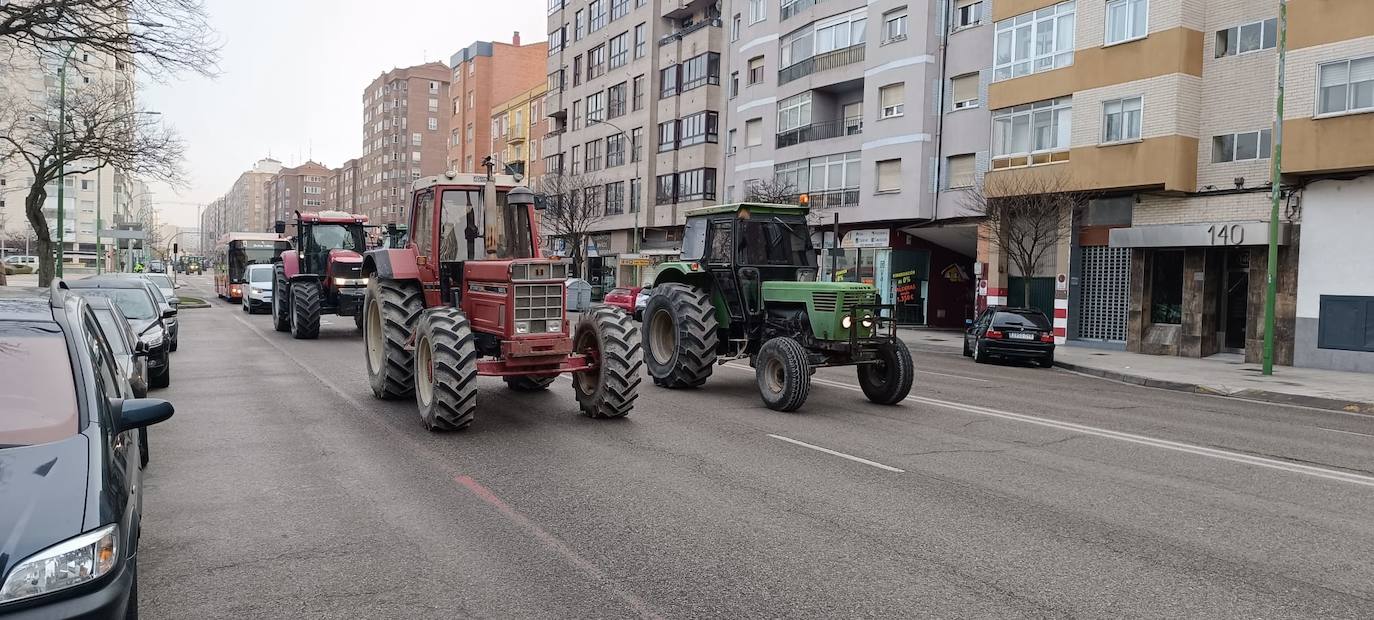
{"points": [[133, 302], [114, 332], [157, 292], [257, 274], [160, 280], [37, 392], [1021, 318]]}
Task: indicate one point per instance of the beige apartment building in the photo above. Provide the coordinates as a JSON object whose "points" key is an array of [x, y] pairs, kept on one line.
{"points": [[301, 188], [634, 102], [245, 205], [517, 132], [1165, 110], [485, 74], [404, 133]]}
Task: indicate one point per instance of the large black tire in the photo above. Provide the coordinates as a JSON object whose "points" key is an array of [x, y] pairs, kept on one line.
{"points": [[979, 355], [305, 310], [610, 336], [358, 320], [530, 383], [1047, 361], [162, 379], [967, 351], [391, 312], [783, 374], [281, 304], [445, 370], [888, 381], [680, 336], [142, 448]]}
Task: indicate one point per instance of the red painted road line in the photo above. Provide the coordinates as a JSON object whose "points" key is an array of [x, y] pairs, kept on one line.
{"points": [[558, 546]]}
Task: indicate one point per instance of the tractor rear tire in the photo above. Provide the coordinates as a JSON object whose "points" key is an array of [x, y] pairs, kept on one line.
{"points": [[391, 312], [610, 337], [445, 370], [888, 381], [281, 304], [358, 320], [783, 374], [530, 383], [680, 336], [305, 310]]}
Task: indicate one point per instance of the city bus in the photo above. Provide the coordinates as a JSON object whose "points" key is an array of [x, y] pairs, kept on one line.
{"points": [[236, 251]]}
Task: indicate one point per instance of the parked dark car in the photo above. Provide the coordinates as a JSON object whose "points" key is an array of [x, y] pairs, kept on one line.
{"points": [[145, 314], [128, 349], [1011, 333], [73, 491], [167, 303]]}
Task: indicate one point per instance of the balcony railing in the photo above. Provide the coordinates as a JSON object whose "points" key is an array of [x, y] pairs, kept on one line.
{"points": [[791, 9], [822, 62], [827, 199], [689, 30], [821, 131]]}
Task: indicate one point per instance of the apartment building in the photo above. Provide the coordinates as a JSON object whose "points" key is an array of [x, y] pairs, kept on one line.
{"points": [[517, 132], [404, 133], [341, 188], [634, 103], [838, 103], [485, 74], [301, 188], [1164, 110], [245, 204]]}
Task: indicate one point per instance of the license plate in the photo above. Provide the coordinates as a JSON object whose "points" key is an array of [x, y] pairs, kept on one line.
{"points": [[1021, 336]]}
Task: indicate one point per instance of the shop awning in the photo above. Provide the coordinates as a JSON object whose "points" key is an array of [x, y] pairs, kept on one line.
{"points": [[1207, 234]]}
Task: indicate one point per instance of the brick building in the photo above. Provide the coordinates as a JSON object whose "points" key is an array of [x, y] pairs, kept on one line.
{"points": [[301, 188], [404, 130], [517, 131], [485, 74]]}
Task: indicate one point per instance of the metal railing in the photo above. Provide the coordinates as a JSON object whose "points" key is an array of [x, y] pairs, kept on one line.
{"points": [[822, 62], [830, 198], [689, 30], [821, 131], [791, 9]]}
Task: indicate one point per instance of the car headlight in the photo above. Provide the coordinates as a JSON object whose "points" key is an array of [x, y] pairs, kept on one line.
{"points": [[350, 281], [71, 563], [522, 327], [153, 339], [554, 325], [847, 322]]}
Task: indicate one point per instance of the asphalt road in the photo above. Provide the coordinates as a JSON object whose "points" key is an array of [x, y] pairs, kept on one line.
{"points": [[283, 489]]}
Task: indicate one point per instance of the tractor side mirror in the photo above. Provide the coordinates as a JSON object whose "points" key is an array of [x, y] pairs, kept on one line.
{"points": [[391, 229], [541, 203], [280, 227]]}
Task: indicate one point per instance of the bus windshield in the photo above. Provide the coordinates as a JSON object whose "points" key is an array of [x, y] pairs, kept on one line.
{"points": [[245, 252]]}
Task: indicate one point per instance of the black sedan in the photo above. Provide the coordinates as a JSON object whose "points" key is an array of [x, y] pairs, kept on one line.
{"points": [[1010, 333], [73, 491], [146, 314]]}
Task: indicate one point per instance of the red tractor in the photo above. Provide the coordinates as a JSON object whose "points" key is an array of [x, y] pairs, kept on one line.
{"points": [[468, 295], [322, 274]]}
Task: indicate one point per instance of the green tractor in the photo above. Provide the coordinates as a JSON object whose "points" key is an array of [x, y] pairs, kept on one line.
{"points": [[746, 287]]}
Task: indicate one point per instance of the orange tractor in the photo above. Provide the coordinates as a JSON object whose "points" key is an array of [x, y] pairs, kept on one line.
{"points": [[468, 294]]}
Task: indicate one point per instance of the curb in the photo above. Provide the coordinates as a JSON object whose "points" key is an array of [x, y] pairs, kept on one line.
{"points": [[1281, 398]]}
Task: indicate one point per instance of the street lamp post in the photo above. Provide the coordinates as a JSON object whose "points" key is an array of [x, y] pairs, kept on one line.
{"points": [[62, 164], [1275, 182]]}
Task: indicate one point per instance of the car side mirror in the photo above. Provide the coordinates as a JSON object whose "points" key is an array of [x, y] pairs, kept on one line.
{"points": [[169, 313], [140, 348], [280, 227], [968, 322], [136, 413]]}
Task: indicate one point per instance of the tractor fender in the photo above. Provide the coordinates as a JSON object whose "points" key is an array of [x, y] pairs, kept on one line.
{"points": [[291, 263], [391, 263], [683, 273]]}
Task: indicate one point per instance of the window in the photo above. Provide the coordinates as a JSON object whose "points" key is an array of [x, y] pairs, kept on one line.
{"points": [[636, 195], [575, 162], [596, 62], [960, 171], [620, 53], [794, 112], [734, 84], [1346, 86], [1032, 128], [591, 198], [730, 143], [469, 132], [1126, 19], [86, 184], [894, 26], [619, 9], [967, 13], [641, 40], [553, 164], [577, 70], [1121, 119], [472, 99], [596, 108], [699, 184], [555, 41], [1345, 322], [823, 36], [433, 105], [758, 11], [700, 71], [597, 15], [615, 198], [1166, 287], [639, 92], [433, 124], [577, 115], [416, 139], [1245, 146], [698, 128], [890, 97], [964, 91], [889, 173], [667, 80], [665, 189], [1033, 42], [593, 152], [667, 136], [617, 94], [735, 23], [615, 150], [753, 132], [636, 143], [1248, 38], [756, 70], [834, 172]]}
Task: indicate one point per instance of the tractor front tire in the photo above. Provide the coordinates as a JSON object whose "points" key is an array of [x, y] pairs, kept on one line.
{"points": [[680, 336], [610, 338], [530, 383], [391, 312], [783, 374], [888, 381], [305, 310], [445, 370], [281, 305]]}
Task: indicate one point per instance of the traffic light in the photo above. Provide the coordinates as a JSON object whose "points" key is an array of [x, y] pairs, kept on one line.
{"points": [[176, 248]]}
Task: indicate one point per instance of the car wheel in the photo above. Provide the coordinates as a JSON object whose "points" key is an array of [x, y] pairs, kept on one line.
{"points": [[967, 352], [131, 607], [1047, 361], [174, 344], [142, 448], [979, 356], [162, 379]]}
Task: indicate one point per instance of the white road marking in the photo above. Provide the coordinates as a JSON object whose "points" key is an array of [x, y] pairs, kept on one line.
{"points": [[927, 372], [1336, 430], [839, 454], [1165, 444]]}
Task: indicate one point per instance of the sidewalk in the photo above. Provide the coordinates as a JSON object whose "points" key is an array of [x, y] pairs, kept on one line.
{"points": [[1221, 375]]}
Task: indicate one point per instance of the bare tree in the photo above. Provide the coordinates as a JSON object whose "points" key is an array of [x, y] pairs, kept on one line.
{"points": [[160, 37], [573, 207], [103, 128], [773, 191], [1024, 217]]}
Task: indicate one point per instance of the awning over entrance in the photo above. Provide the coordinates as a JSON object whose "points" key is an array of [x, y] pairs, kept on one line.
{"points": [[1213, 234]]}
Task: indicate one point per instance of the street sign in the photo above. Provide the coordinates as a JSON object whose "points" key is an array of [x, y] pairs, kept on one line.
{"points": [[124, 234], [636, 262]]}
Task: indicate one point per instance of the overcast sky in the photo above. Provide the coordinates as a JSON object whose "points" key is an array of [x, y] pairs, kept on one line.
{"points": [[293, 74]]}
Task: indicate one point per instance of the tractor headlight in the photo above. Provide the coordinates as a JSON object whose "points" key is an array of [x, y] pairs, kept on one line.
{"points": [[350, 281], [522, 327], [61, 566], [554, 325], [867, 321], [847, 322], [806, 275]]}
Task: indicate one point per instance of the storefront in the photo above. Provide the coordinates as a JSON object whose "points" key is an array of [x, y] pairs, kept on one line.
{"points": [[930, 285]]}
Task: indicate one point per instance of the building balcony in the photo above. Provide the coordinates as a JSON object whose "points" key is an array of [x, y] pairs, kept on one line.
{"points": [[515, 137], [820, 131], [680, 34], [829, 199], [681, 9], [822, 62], [789, 10]]}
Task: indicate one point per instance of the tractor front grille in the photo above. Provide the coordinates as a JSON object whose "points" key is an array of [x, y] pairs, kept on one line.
{"points": [[557, 270], [538, 301], [830, 301], [824, 302]]}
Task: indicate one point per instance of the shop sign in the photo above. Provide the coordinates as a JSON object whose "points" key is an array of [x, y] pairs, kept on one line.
{"points": [[636, 262], [1061, 282], [955, 273], [867, 238], [904, 285], [1207, 234]]}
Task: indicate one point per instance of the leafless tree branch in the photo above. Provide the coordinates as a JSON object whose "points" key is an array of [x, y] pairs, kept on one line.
{"points": [[573, 208]]}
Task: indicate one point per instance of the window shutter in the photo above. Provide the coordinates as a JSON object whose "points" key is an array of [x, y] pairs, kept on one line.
{"points": [[890, 175], [753, 132], [961, 171], [891, 95], [965, 88], [959, 4]]}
